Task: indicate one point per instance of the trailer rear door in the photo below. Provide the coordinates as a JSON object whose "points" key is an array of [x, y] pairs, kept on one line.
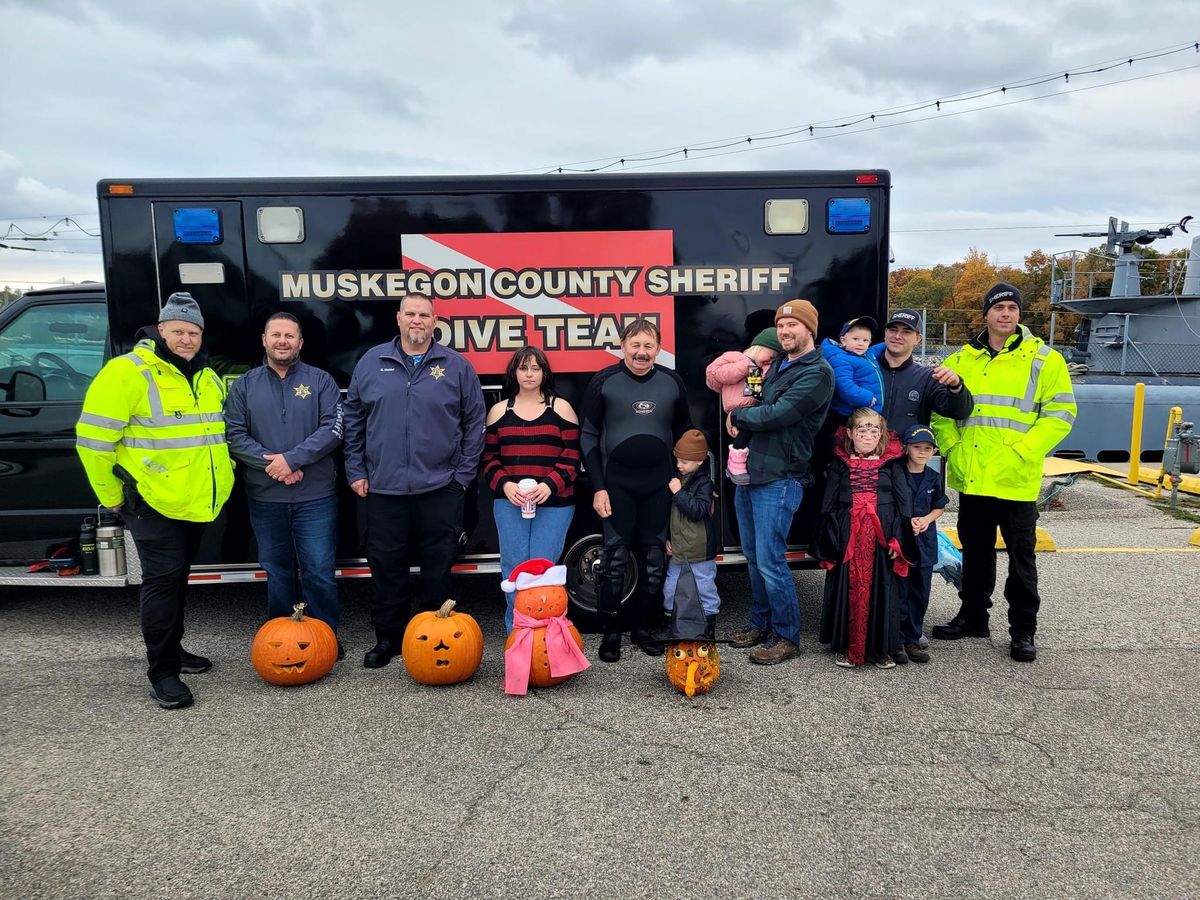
{"points": [[199, 247]]}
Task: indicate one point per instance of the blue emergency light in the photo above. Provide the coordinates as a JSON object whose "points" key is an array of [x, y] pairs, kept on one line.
{"points": [[199, 225], [851, 215]]}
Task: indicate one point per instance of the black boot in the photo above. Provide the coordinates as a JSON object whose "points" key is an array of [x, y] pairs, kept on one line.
{"points": [[710, 632], [961, 627], [610, 645], [649, 641], [171, 693], [381, 654]]}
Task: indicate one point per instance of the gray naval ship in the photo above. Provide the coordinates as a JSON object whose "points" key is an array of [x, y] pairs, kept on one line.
{"points": [[1128, 336]]}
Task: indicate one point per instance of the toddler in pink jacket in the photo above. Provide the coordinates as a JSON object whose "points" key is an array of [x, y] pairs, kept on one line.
{"points": [[737, 376]]}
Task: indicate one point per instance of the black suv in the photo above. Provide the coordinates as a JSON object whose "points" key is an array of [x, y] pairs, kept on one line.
{"points": [[52, 344]]}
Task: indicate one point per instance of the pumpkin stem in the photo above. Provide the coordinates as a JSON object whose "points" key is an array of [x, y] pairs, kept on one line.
{"points": [[444, 612], [299, 612]]}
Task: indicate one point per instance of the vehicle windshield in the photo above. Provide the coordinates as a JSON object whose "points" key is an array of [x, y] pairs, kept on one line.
{"points": [[61, 343]]}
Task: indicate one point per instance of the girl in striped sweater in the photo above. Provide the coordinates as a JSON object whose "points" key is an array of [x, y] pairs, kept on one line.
{"points": [[534, 435]]}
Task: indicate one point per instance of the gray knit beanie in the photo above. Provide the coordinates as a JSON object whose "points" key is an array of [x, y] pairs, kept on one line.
{"points": [[181, 307]]}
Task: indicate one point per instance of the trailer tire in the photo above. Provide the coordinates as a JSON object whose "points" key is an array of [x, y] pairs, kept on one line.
{"points": [[583, 560]]}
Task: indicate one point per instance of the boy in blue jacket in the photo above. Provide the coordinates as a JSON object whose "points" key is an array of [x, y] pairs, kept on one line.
{"points": [[858, 380]]}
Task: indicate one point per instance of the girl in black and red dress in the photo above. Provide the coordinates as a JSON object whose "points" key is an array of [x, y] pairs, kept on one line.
{"points": [[864, 542]]}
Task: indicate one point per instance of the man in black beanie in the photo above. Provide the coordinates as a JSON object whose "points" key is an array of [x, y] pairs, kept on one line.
{"points": [[1023, 406]]}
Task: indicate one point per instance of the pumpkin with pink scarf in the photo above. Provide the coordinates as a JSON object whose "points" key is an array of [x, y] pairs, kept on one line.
{"points": [[544, 648]]}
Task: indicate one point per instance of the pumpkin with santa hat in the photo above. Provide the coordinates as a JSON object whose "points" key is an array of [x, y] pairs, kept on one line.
{"points": [[544, 648]]}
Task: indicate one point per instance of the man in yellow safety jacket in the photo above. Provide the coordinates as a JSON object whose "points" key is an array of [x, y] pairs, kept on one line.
{"points": [[152, 440], [1024, 406]]}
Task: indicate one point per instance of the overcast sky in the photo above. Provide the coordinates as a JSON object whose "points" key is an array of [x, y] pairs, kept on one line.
{"points": [[146, 88]]}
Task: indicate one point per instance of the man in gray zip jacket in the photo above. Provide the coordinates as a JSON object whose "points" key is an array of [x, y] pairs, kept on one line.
{"points": [[283, 421], [414, 435]]}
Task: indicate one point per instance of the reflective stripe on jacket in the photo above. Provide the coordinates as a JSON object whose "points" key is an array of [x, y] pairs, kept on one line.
{"points": [[142, 414], [1024, 406]]}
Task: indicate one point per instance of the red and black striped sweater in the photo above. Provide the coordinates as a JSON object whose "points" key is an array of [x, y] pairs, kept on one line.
{"points": [[545, 449]]}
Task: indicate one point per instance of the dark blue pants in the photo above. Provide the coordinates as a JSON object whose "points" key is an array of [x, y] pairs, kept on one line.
{"points": [[303, 533], [914, 601]]}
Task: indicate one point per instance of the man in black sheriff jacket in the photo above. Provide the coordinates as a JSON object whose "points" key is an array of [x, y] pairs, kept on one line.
{"points": [[912, 392]]}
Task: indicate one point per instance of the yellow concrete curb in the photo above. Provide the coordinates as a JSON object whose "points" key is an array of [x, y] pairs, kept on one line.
{"points": [[1044, 544], [1195, 538]]}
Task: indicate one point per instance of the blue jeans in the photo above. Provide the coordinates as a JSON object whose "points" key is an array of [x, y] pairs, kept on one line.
{"points": [[706, 583], [764, 514], [307, 532], [541, 537]]}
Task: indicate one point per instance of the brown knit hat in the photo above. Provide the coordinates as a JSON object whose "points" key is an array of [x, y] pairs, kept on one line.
{"points": [[799, 309], [692, 446]]}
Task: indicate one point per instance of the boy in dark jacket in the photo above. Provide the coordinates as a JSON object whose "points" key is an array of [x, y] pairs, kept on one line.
{"points": [[693, 539], [928, 504]]}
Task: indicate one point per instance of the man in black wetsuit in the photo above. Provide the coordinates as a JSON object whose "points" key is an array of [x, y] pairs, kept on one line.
{"points": [[632, 414]]}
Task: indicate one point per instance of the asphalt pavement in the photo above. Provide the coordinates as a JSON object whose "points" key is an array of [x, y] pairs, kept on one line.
{"points": [[972, 776]]}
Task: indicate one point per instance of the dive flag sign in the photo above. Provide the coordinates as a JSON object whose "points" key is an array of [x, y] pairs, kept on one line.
{"points": [[569, 293]]}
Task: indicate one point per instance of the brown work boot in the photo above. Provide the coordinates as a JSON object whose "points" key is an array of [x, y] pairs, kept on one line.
{"points": [[748, 637], [775, 650], [916, 653]]}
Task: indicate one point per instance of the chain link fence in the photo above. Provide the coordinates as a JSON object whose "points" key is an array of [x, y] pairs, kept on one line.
{"points": [[1164, 342]]}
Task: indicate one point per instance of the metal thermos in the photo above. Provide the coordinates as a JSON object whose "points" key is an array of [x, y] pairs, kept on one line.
{"points": [[88, 564], [110, 545]]}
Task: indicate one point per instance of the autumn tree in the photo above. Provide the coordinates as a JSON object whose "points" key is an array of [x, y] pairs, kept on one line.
{"points": [[978, 274]]}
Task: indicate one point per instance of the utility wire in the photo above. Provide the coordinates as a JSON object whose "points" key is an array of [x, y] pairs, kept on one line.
{"points": [[771, 137], [47, 216], [4, 246], [16, 231], [824, 137]]}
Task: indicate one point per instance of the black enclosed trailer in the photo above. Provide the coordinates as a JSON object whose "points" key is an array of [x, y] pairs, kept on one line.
{"points": [[557, 261]]}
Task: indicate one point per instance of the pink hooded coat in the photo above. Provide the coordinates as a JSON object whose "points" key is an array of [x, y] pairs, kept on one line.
{"points": [[727, 374]]}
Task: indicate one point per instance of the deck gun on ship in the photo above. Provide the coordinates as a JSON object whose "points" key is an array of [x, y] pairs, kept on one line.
{"points": [[1127, 336]]}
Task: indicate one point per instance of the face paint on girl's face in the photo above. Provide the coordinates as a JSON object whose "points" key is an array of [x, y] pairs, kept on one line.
{"points": [[865, 435]]}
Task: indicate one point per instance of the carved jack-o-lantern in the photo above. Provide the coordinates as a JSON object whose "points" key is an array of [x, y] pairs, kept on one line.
{"points": [[542, 601], [293, 649], [539, 663], [442, 647], [693, 667]]}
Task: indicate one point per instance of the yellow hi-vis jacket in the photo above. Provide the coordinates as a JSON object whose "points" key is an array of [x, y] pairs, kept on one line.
{"points": [[142, 414], [1024, 405]]}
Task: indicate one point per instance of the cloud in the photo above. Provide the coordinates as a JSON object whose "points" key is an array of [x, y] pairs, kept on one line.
{"points": [[596, 36], [269, 26], [930, 58]]}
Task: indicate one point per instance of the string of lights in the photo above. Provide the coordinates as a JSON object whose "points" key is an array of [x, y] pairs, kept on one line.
{"points": [[845, 124], [944, 115]]}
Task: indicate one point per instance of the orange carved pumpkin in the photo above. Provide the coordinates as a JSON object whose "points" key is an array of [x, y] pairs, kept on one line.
{"points": [[442, 647], [693, 666], [293, 649], [542, 602], [539, 663]]}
